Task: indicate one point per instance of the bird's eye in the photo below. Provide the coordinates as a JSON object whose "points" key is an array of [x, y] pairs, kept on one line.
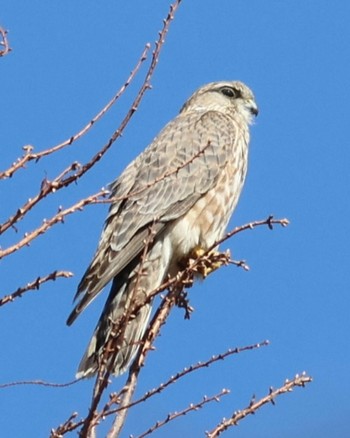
{"points": [[229, 92]]}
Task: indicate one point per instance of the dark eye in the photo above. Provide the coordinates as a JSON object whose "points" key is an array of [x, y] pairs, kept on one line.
{"points": [[229, 92]]}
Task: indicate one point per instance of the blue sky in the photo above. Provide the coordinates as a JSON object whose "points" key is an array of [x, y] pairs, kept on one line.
{"points": [[68, 59]]}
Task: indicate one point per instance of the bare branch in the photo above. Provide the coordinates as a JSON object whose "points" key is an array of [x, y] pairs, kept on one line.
{"points": [[4, 44], [211, 259], [299, 380], [191, 408], [269, 221], [34, 285], [204, 264], [67, 426], [115, 398], [48, 223], [47, 186], [240, 264], [39, 383], [30, 156], [175, 286], [66, 178]]}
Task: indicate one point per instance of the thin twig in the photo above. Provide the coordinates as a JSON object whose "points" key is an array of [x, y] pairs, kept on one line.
{"points": [[97, 199], [269, 221], [48, 223], [4, 43], [299, 380], [30, 155], [181, 280], [175, 284], [34, 285], [210, 257], [67, 426], [191, 408], [66, 178], [115, 398], [48, 187], [39, 383]]}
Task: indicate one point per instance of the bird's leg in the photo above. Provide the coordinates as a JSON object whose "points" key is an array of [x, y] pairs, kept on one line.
{"points": [[209, 262]]}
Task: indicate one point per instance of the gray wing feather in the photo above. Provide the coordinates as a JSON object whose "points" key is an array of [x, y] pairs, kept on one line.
{"points": [[159, 186]]}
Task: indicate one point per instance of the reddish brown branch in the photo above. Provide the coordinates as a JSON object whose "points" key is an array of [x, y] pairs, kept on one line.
{"points": [[67, 426], [34, 285], [269, 221], [47, 187], [123, 398], [115, 398], [74, 171], [191, 408], [67, 177], [299, 380], [30, 156], [4, 43], [175, 286], [48, 223], [59, 182]]}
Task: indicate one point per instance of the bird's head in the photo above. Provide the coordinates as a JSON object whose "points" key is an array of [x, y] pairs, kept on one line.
{"points": [[225, 96]]}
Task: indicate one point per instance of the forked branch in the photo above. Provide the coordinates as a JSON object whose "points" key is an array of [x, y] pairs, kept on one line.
{"points": [[30, 155], [48, 223], [254, 405]]}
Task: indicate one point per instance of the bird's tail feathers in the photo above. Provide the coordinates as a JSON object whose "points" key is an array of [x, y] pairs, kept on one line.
{"points": [[118, 331]]}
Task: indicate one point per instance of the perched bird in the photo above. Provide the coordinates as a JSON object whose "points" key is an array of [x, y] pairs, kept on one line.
{"points": [[185, 186]]}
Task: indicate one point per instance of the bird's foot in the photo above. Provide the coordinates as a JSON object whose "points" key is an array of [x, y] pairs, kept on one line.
{"points": [[206, 263]]}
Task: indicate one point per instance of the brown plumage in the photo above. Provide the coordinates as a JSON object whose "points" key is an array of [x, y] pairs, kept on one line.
{"points": [[186, 184]]}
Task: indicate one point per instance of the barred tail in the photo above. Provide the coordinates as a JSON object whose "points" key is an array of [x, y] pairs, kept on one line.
{"points": [[128, 285], [129, 338]]}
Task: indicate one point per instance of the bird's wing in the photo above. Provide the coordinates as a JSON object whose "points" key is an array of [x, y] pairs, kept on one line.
{"points": [[182, 163]]}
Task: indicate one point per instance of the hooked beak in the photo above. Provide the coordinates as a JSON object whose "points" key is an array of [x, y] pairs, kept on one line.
{"points": [[253, 107]]}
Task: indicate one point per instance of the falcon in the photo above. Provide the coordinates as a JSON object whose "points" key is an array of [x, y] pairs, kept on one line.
{"points": [[173, 200]]}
